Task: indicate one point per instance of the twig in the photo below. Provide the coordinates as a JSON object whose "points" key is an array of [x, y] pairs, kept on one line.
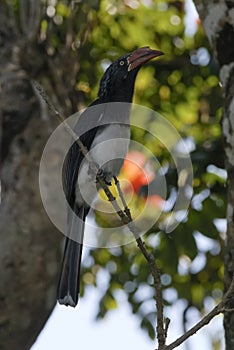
{"points": [[160, 331], [205, 320], [66, 125], [125, 217], [228, 310], [167, 322], [121, 196]]}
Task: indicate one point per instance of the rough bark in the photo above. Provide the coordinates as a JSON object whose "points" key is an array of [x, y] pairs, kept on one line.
{"points": [[217, 17], [30, 245]]}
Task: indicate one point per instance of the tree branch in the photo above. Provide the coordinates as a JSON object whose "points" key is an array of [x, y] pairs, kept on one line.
{"points": [[205, 320]]}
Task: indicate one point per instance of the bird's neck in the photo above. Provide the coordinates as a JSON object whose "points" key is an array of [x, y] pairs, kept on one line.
{"points": [[120, 91], [125, 94]]}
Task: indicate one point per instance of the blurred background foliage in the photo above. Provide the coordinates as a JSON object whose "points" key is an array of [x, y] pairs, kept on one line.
{"points": [[76, 41]]}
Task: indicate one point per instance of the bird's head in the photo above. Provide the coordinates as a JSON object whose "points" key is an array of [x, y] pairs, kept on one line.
{"points": [[117, 83]]}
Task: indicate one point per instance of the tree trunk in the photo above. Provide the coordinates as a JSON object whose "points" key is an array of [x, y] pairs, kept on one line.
{"points": [[218, 21], [30, 245]]}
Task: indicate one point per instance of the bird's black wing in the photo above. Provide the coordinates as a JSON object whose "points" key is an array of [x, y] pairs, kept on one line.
{"points": [[69, 281], [74, 156]]}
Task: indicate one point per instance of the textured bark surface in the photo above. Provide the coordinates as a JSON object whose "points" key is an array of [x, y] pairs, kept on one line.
{"points": [[228, 133], [218, 20], [30, 245], [30, 249]]}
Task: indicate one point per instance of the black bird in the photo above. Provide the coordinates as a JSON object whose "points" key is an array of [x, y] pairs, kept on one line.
{"points": [[104, 128]]}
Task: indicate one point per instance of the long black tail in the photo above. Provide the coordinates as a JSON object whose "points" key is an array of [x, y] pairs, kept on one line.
{"points": [[69, 281]]}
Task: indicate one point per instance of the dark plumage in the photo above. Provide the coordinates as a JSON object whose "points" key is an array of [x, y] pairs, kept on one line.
{"points": [[106, 135]]}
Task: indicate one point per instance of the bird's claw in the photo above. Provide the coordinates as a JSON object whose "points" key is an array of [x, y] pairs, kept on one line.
{"points": [[101, 175]]}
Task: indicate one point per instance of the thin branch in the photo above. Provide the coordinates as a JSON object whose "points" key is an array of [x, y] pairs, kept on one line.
{"points": [[121, 196], [63, 120], [160, 330], [228, 310], [125, 217], [205, 320], [167, 323]]}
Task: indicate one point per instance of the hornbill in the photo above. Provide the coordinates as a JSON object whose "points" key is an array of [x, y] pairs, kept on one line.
{"points": [[104, 129]]}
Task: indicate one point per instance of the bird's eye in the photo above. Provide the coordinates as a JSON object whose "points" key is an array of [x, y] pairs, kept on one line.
{"points": [[121, 63]]}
